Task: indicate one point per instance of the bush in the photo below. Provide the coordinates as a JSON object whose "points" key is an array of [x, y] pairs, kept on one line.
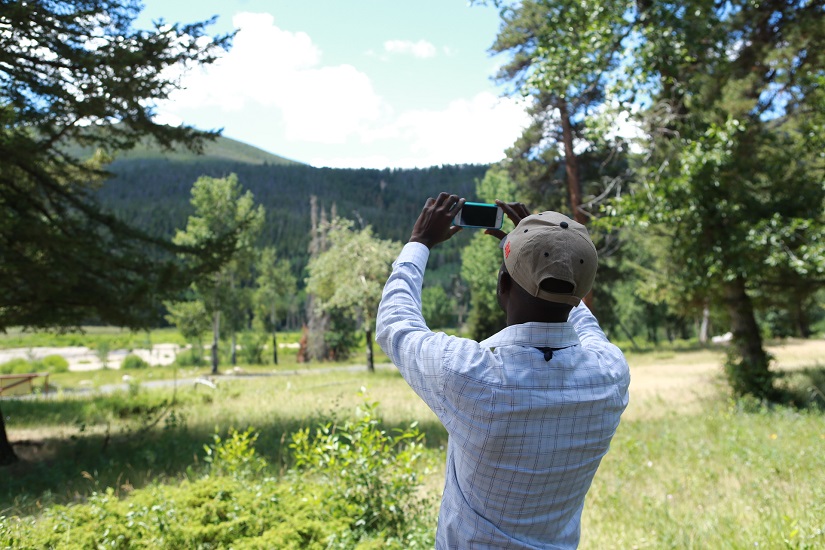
{"points": [[234, 456], [190, 358], [132, 361], [53, 364], [212, 512], [369, 475], [18, 365], [236, 505], [341, 337], [252, 348]]}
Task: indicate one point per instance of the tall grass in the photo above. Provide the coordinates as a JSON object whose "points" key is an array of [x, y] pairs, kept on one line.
{"points": [[730, 477]]}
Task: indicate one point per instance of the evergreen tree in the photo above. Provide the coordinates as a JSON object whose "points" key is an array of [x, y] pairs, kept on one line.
{"points": [[78, 71]]}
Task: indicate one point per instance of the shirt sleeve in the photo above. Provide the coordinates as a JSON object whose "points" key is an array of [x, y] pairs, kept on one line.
{"points": [[595, 341], [402, 332], [587, 327]]}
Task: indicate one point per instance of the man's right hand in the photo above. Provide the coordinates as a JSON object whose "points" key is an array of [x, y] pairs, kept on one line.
{"points": [[434, 223], [516, 211]]}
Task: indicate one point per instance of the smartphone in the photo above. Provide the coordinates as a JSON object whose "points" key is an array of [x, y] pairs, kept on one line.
{"points": [[476, 214]]}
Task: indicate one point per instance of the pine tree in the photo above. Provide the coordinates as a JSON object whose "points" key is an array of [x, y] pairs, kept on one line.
{"points": [[78, 72]]}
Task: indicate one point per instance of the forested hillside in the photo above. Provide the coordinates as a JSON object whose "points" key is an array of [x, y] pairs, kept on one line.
{"points": [[152, 190]]}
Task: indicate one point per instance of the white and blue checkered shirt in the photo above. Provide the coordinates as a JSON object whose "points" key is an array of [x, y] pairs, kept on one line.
{"points": [[525, 435]]}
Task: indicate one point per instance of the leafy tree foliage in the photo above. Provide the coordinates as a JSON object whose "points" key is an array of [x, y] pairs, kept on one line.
{"points": [[438, 308], [76, 71], [736, 173], [192, 321], [481, 260], [732, 110], [561, 56], [349, 276], [221, 207]]}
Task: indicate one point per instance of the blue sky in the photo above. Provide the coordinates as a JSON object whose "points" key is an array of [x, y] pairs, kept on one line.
{"points": [[350, 83]]}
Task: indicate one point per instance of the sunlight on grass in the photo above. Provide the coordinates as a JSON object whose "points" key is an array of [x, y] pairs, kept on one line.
{"points": [[688, 468]]}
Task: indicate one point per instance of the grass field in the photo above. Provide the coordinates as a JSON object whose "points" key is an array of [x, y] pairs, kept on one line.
{"points": [[688, 468]]}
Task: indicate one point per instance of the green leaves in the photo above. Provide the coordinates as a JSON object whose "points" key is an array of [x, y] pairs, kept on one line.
{"points": [[374, 472], [78, 71], [350, 275], [234, 455]]}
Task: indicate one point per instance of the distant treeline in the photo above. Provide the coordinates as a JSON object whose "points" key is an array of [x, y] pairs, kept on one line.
{"points": [[154, 193]]}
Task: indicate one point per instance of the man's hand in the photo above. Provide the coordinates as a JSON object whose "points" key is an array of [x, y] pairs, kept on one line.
{"points": [[433, 224], [516, 211]]}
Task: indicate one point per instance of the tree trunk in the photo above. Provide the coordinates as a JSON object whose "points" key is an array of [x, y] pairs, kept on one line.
{"points": [[234, 352], [273, 320], [574, 184], [703, 328], [571, 164], [749, 372], [801, 320], [370, 357], [216, 329], [7, 455]]}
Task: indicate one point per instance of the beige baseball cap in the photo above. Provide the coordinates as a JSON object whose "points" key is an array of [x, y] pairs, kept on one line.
{"points": [[549, 246]]}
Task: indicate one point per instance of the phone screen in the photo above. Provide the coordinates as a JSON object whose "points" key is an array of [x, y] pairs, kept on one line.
{"points": [[479, 215]]}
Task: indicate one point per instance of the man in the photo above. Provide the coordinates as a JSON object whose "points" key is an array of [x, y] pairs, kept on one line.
{"points": [[530, 411]]}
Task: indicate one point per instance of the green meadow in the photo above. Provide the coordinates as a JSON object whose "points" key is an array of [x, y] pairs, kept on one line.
{"points": [[332, 456]]}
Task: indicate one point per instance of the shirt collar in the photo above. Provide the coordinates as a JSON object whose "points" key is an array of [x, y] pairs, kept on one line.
{"points": [[550, 335]]}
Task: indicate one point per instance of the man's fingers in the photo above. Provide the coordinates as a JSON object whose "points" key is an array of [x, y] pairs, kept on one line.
{"points": [[516, 211], [443, 199], [497, 233]]}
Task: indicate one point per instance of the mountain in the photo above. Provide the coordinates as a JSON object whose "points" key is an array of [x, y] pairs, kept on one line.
{"points": [[151, 189], [222, 148]]}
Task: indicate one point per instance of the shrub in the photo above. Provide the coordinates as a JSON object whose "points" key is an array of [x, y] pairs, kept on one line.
{"points": [[370, 475], [102, 352], [190, 358], [132, 361], [235, 455], [252, 348], [212, 512], [355, 488], [18, 365], [53, 364], [742, 379]]}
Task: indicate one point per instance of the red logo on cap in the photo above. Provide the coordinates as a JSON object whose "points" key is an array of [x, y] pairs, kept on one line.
{"points": [[507, 250]]}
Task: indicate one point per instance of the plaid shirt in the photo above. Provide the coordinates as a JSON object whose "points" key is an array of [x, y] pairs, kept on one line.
{"points": [[525, 435]]}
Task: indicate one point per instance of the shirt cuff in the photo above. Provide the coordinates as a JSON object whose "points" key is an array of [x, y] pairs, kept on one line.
{"points": [[413, 253]]}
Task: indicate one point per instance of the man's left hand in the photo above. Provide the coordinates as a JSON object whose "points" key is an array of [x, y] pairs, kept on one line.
{"points": [[433, 225]]}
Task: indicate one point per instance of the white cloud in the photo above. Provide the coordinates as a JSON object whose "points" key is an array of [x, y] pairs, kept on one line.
{"points": [[273, 90], [421, 49], [277, 74], [477, 130], [474, 131]]}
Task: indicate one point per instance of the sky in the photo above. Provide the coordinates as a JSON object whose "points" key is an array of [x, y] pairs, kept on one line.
{"points": [[350, 83]]}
